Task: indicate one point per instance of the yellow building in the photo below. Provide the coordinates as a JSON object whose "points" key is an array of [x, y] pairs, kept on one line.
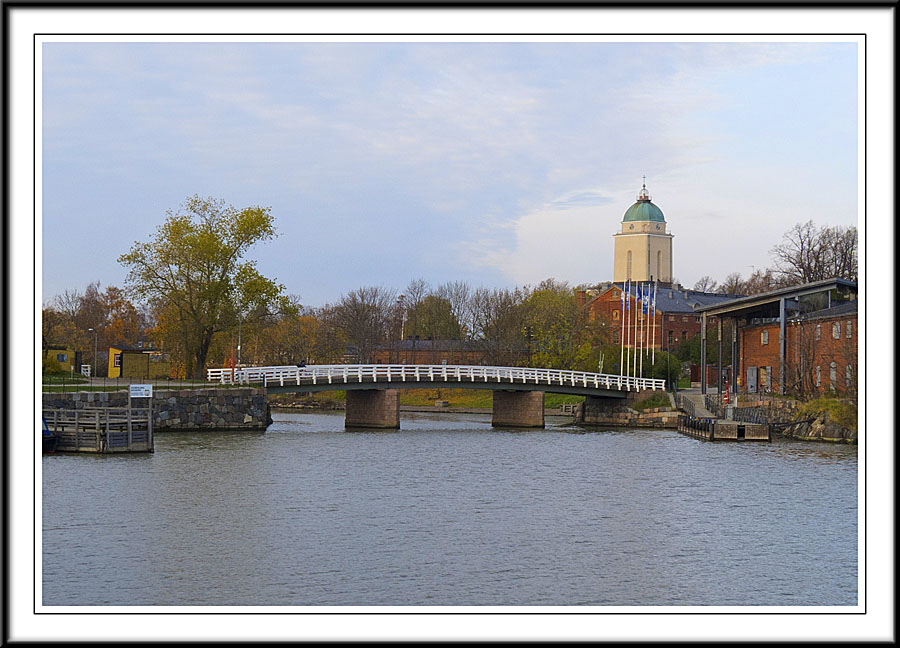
{"points": [[643, 249], [68, 359], [134, 362]]}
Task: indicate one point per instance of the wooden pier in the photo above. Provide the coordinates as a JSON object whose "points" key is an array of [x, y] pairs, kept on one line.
{"points": [[101, 430], [713, 429]]}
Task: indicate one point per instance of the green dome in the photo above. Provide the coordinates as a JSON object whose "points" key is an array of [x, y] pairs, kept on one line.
{"points": [[644, 211]]}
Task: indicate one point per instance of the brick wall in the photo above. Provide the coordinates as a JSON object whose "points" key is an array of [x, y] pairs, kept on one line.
{"points": [[805, 350]]}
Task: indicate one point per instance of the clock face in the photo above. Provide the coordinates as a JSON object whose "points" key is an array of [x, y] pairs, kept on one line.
{"points": [[631, 227], [657, 227]]}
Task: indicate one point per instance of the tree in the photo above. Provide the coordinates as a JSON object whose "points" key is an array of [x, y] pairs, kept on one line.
{"points": [[363, 317], [733, 284], [705, 284], [499, 318], [194, 269], [562, 335], [808, 254]]}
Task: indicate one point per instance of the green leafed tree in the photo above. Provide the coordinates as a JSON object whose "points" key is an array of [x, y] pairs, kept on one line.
{"points": [[194, 268]]}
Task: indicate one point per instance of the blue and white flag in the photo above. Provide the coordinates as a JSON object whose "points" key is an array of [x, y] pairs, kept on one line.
{"points": [[628, 298]]}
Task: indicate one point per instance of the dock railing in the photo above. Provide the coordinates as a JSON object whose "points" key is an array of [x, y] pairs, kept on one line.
{"points": [[101, 429]]}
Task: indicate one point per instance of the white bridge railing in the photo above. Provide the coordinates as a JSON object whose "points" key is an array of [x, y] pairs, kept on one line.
{"points": [[343, 374]]}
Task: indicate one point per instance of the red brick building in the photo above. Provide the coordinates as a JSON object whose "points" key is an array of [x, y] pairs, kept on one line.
{"points": [[821, 351], [799, 340], [673, 322]]}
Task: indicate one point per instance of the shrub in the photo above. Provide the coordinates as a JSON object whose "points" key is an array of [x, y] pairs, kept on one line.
{"points": [[655, 400], [835, 410], [51, 365]]}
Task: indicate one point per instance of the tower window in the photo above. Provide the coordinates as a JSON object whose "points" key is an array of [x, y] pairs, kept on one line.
{"points": [[629, 264]]}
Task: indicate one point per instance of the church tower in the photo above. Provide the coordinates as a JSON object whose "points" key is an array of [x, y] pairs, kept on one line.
{"points": [[643, 249]]}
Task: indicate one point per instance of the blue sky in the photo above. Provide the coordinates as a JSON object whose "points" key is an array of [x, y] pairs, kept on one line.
{"points": [[496, 163]]}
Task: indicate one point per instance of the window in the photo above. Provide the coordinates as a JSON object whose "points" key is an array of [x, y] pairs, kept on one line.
{"points": [[768, 375], [849, 328], [671, 318], [818, 331], [615, 314], [61, 357], [117, 360], [616, 337], [836, 330], [684, 335], [763, 379], [670, 338], [658, 262], [818, 376], [849, 376], [832, 375], [684, 319], [764, 338], [629, 262]]}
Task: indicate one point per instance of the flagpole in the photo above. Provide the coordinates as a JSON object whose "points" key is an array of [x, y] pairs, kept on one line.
{"points": [[628, 329], [641, 311], [653, 347], [634, 361], [622, 336]]}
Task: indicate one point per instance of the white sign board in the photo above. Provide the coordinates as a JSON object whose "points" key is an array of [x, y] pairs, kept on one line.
{"points": [[140, 391]]}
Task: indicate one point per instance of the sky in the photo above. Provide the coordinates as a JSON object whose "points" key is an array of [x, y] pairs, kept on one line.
{"points": [[497, 163]]}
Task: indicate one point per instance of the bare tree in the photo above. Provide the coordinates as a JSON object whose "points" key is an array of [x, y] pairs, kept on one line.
{"points": [[808, 254], [363, 316], [705, 284], [733, 284], [500, 316]]}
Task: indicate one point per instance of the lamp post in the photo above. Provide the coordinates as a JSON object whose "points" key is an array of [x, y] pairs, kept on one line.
{"points": [[94, 359]]}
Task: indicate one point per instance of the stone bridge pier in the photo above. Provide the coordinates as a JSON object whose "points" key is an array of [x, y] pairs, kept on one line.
{"points": [[518, 409], [372, 408], [380, 408]]}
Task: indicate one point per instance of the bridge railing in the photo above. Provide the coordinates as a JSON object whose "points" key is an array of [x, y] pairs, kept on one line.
{"points": [[342, 374]]}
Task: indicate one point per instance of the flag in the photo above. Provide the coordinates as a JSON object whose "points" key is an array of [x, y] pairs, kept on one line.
{"points": [[627, 300]]}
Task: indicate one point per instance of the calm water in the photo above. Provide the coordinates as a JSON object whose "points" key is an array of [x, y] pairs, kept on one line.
{"points": [[448, 511]]}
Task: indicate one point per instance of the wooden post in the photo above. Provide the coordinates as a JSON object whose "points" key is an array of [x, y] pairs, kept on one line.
{"points": [[150, 425], [128, 419], [703, 353]]}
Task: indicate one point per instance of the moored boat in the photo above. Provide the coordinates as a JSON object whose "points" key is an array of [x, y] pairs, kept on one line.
{"points": [[48, 439]]}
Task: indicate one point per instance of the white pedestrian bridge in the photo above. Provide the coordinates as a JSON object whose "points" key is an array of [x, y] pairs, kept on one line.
{"points": [[315, 378]]}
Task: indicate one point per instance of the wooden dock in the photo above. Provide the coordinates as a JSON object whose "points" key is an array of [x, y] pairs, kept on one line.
{"points": [[713, 429], [101, 430]]}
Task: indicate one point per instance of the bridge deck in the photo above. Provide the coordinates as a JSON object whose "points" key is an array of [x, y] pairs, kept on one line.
{"points": [[316, 378]]}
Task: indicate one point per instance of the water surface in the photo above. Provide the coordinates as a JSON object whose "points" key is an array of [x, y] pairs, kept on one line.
{"points": [[448, 511]]}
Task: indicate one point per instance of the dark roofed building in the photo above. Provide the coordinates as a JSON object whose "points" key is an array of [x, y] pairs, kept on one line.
{"points": [[675, 319]]}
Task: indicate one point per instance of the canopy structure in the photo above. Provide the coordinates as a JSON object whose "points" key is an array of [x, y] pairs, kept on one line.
{"points": [[772, 305]]}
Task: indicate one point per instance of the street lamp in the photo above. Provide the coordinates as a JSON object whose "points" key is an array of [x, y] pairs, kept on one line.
{"points": [[94, 359]]}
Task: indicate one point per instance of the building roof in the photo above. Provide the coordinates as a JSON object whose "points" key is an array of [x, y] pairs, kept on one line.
{"points": [[767, 304], [644, 209], [677, 299], [844, 308]]}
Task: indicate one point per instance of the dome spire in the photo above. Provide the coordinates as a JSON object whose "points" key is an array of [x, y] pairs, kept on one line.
{"points": [[644, 196]]}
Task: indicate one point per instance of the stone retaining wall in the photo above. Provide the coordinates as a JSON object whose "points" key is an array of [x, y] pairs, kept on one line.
{"points": [[616, 413], [182, 409]]}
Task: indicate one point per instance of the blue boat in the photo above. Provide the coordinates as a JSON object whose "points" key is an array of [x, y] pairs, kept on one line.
{"points": [[48, 438]]}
